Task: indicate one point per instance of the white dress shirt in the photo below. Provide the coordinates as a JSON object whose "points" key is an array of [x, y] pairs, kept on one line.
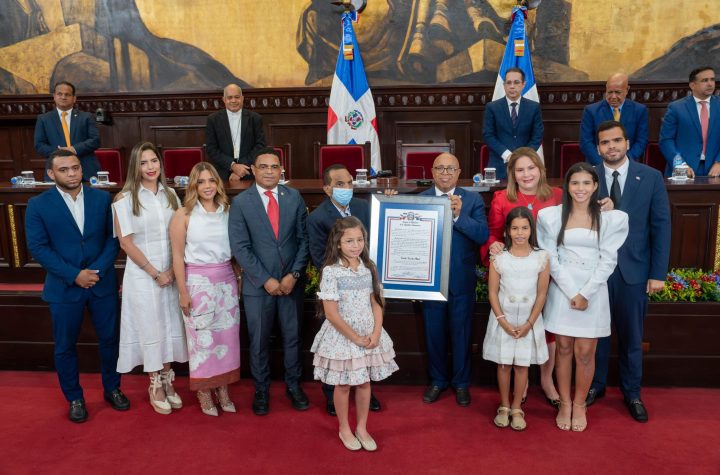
{"points": [[622, 177], [265, 198], [76, 206], [506, 154], [68, 117], [448, 193], [699, 108]]}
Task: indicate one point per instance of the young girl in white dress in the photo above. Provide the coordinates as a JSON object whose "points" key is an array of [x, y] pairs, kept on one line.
{"points": [[582, 244], [351, 348], [151, 325], [515, 337]]}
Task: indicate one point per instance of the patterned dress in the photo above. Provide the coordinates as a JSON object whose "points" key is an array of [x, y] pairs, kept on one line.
{"points": [[338, 360]]}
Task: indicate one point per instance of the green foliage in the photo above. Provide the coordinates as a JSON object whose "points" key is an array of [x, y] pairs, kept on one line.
{"points": [[689, 285], [313, 281], [481, 288]]}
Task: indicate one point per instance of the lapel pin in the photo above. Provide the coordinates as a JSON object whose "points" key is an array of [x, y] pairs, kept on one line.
{"points": [[637, 178]]}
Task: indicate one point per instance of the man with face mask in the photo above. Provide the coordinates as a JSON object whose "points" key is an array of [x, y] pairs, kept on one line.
{"points": [[340, 203]]}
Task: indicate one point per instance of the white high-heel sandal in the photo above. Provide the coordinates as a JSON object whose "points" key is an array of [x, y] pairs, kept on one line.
{"points": [[161, 406], [167, 378]]}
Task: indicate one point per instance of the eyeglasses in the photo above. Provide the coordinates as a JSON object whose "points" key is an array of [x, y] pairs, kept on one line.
{"points": [[513, 83], [449, 170], [264, 166]]}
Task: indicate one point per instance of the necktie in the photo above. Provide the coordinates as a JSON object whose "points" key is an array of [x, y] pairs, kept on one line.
{"points": [[273, 212], [66, 129], [615, 194], [704, 121], [513, 114], [616, 114]]}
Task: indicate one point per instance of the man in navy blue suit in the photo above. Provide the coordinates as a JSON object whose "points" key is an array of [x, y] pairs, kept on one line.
{"points": [[691, 127], [338, 186], [69, 232], [639, 191], [69, 129], [615, 106], [455, 316], [511, 122]]}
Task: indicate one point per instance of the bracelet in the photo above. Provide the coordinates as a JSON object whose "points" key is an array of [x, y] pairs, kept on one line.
{"points": [[145, 265], [157, 276], [498, 317]]}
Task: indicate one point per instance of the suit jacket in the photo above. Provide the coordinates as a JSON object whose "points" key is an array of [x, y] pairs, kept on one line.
{"points": [[84, 137], [646, 252], [321, 221], [500, 135], [58, 245], [634, 116], [680, 134], [253, 242], [469, 231], [218, 139]]}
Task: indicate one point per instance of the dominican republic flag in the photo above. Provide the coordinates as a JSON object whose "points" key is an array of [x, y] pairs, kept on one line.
{"points": [[517, 55], [351, 115]]}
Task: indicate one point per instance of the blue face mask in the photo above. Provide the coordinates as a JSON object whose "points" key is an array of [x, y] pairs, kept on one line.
{"points": [[342, 196]]}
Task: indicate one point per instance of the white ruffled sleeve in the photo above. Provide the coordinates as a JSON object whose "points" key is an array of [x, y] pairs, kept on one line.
{"points": [[329, 285], [549, 221], [613, 231], [122, 210]]}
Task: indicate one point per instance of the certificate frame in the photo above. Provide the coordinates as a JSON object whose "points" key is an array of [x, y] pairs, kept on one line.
{"points": [[433, 216]]}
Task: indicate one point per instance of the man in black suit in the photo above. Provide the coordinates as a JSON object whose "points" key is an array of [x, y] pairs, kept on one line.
{"points": [[233, 136], [340, 203], [511, 122]]}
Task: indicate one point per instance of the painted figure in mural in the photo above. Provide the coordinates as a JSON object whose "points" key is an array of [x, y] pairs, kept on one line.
{"points": [[233, 135], [615, 106], [68, 128]]}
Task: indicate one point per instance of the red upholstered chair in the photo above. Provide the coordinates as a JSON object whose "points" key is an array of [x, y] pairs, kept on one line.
{"points": [[570, 154], [111, 162], [414, 160], [351, 155], [654, 157], [178, 161]]}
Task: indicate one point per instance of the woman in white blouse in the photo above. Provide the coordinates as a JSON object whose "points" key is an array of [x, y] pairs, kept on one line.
{"points": [[207, 288], [151, 328]]}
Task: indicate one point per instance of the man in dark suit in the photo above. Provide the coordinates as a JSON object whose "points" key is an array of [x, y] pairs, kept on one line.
{"points": [[470, 231], [638, 190], [268, 237], [233, 136], [338, 186], [511, 122], [69, 232], [691, 127], [69, 129], [615, 106]]}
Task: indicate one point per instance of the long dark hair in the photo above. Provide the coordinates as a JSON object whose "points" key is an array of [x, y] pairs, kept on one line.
{"points": [[333, 255], [523, 213], [134, 178], [567, 204]]}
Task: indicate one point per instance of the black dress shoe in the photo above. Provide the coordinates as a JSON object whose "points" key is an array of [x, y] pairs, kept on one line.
{"points": [[298, 398], [462, 397], [77, 412], [637, 410], [117, 400], [432, 393], [261, 403], [330, 407], [374, 403], [593, 395]]}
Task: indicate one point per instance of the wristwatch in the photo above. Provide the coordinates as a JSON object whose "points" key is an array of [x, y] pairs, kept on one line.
{"points": [[296, 275]]}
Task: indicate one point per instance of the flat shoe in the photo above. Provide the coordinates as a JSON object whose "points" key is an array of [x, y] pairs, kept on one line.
{"points": [[367, 444], [502, 420], [352, 445], [518, 420]]}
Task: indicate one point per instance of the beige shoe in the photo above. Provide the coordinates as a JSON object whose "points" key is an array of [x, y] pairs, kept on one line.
{"points": [[518, 420], [579, 424], [502, 420], [161, 406], [167, 378], [367, 444], [207, 405], [224, 399], [353, 445], [563, 423]]}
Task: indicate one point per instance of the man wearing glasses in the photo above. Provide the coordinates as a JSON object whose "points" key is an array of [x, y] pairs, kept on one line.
{"points": [[511, 122], [470, 231], [268, 238]]}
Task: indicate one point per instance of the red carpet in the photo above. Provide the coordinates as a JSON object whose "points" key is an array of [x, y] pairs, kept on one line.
{"points": [[681, 437]]}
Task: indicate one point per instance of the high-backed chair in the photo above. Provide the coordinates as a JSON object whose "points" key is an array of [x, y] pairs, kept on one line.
{"points": [[415, 160], [111, 161], [482, 156], [285, 158], [570, 154], [351, 155], [178, 161], [654, 157]]}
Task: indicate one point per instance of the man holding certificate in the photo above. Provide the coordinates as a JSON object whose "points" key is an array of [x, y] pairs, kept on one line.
{"points": [[470, 230]]}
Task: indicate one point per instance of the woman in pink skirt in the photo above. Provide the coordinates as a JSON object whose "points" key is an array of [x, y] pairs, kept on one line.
{"points": [[207, 288]]}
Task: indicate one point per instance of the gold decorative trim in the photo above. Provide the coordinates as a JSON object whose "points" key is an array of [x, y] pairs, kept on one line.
{"points": [[13, 235]]}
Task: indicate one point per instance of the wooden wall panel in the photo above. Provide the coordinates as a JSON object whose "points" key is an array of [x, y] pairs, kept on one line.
{"points": [[301, 132], [695, 244]]}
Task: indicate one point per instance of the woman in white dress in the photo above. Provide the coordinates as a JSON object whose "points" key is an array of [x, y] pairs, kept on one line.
{"points": [[151, 326], [582, 243]]}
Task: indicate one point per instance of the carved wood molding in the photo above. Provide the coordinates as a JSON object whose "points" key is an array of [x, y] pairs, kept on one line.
{"points": [[316, 99]]}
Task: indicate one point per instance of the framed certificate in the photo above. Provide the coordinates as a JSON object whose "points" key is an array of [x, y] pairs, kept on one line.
{"points": [[410, 243]]}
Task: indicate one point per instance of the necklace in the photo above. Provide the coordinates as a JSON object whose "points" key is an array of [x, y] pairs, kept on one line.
{"points": [[528, 204]]}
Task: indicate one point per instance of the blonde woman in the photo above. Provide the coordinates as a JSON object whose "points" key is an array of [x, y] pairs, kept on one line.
{"points": [[207, 288], [151, 328]]}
